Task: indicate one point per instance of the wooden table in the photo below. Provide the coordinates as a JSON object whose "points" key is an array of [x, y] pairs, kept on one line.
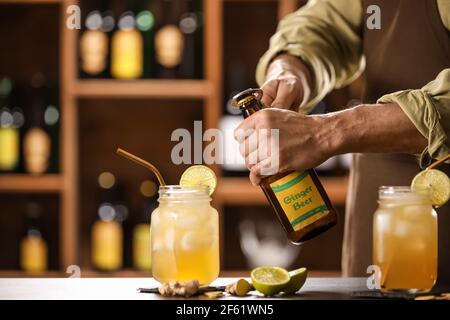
{"points": [[126, 288]]}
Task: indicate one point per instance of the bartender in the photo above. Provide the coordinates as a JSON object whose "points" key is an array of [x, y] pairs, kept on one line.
{"points": [[402, 123]]}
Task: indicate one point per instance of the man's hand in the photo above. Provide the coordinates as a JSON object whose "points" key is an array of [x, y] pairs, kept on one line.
{"points": [[307, 141], [287, 83], [303, 142]]}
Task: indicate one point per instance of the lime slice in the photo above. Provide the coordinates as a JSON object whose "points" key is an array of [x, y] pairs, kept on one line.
{"points": [[298, 278], [269, 280], [199, 175], [437, 182]]}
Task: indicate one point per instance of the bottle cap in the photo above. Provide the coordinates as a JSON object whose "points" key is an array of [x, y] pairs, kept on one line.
{"points": [[94, 20], [127, 21], [245, 96]]}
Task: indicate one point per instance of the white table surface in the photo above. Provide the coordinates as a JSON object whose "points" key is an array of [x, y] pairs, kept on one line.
{"points": [[126, 288]]}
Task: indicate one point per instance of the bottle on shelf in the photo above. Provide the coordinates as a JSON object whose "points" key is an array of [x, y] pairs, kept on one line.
{"points": [[142, 259], [298, 198], [52, 121], [107, 233], [145, 23], [36, 142], [11, 120], [127, 49], [191, 25], [33, 247], [94, 46], [169, 40]]}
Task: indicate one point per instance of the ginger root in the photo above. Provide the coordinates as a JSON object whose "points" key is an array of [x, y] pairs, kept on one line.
{"points": [[183, 289], [239, 288]]}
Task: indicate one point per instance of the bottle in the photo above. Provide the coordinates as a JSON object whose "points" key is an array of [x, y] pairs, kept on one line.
{"points": [[169, 41], [145, 23], [36, 142], [108, 27], [127, 49], [52, 121], [94, 45], [107, 233], [11, 119], [298, 198], [142, 259], [191, 25], [33, 247]]}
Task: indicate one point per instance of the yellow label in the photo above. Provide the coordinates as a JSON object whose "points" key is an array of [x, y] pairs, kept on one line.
{"points": [[9, 148], [127, 54], [302, 203], [33, 254], [107, 250], [142, 247]]}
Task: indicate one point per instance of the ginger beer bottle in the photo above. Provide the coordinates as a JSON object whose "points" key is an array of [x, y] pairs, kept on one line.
{"points": [[298, 198]]}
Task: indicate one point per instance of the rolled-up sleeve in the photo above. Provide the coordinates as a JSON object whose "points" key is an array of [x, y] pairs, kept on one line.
{"points": [[429, 110], [326, 35]]}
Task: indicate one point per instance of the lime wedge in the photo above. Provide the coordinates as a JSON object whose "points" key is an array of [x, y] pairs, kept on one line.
{"points": [[437, 182], [269, 280], [199, 175], [298, 278]]}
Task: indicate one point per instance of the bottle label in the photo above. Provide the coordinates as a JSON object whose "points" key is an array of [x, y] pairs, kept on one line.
{"points": [[300, 199], [107, 250], [33, 254], [142, 247], [94, 50], [127, 54], [169, 46], [9, 148], [37, 148]]}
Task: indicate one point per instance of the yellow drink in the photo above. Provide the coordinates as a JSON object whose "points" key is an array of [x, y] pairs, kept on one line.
{"points": [[185, 236], [405, 241]]}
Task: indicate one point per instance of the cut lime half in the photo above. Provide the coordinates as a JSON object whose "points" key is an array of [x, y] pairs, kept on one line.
{"points": [[298, 278], [436, 181], [270, 280]]}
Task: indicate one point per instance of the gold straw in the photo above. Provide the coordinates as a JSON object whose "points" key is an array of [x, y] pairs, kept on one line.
{"points": [[439, 162], [143, 163]]}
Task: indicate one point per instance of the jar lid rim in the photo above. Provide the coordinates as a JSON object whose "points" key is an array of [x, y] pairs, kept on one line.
{"points": [[178, 190], [388, 192]]}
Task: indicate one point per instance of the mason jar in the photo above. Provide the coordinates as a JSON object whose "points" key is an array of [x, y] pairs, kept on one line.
{"points": [[405, 240], [185, 236]]}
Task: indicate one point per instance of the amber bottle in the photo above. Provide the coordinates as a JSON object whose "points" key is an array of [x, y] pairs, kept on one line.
{"points": [[298, 198]]}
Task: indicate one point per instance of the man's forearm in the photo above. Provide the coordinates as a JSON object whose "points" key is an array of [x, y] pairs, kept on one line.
{"points": [[372, 129]]}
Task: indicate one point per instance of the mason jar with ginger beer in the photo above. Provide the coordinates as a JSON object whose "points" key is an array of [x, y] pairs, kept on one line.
{"points": [[405, 240]]}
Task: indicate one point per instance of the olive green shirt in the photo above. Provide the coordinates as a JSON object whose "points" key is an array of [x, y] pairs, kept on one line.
{"points": [[316, 33]]}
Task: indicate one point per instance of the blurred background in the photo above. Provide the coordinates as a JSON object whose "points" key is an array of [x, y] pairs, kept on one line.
{"points": [[134, 72]]}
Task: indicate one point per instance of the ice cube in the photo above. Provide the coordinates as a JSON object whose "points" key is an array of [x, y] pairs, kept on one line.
{"points": [[157, 244], [402, 228], [187, 220], [190, 241], [155, 218], [169, 239]]}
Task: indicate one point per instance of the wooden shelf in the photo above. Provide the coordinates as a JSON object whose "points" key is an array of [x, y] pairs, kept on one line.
{"points": [[23, 183], [239, 191], [171, 89], [30, 1]]}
